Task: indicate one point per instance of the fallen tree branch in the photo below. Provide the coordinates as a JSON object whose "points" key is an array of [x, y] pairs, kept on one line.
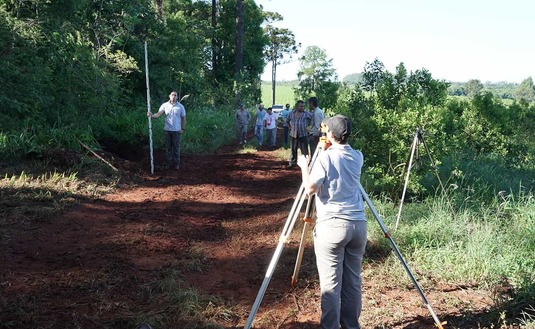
{"points": [[95, 154]]}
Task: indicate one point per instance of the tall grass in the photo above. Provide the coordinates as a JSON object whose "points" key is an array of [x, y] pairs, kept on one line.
{"points": [[207, 129], [481, 178], [485, 245], [489, 245], [481, 230]]}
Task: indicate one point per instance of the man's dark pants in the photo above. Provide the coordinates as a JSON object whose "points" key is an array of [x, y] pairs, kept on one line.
{"points": [[298, 143], [172, 143], [313, 141]]}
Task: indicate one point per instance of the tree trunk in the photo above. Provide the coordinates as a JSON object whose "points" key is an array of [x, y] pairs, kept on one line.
{"points": [[273, 80], [239, 47], [214, 42], [159, 8], [239, 36]]}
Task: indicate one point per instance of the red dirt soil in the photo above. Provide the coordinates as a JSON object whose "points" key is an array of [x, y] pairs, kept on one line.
{"points": [[90, 266]]}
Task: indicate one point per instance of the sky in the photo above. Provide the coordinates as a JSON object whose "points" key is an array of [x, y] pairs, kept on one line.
{"points": [[456, 40]]}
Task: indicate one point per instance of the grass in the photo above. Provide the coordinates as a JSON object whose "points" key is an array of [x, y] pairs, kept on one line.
{"points": [[178, 305], [207, 130], [28, 197], [283, 153], [249, 148], [490, 246], [283, 94]]}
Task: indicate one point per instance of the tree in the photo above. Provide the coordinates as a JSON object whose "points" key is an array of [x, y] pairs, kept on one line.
{"points": [[84, 62], [391, 88], [372, 75], [473, 87], [247, 82], [317, 77], [525, 91], [426, 90], [281, 43]]}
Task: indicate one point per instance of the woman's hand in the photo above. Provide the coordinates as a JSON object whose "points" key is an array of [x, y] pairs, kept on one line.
{"points": [[302, 161]]}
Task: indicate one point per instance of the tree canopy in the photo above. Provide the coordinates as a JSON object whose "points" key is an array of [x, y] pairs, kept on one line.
{"points": [[317, 77]]}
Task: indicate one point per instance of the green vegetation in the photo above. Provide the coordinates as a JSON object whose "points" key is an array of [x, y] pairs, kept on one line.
{"points": [[504, 90], [208, 129], [388, 107], [480, 231], [74, 72], [284, 94], [317, 77], [488, 244], [83, 77]]}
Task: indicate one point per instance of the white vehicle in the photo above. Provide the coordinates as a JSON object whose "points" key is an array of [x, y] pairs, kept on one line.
{"points": [[277, 110]]}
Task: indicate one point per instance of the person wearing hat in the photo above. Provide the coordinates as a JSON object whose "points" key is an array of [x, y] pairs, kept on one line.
{"points": [[340, 231], [242, 118]]}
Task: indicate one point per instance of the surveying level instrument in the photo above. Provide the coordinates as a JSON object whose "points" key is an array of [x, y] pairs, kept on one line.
{"points": [[417, 140], [309, 219]]}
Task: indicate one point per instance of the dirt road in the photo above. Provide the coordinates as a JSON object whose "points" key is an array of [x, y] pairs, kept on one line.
{"points": [[205, 233]]}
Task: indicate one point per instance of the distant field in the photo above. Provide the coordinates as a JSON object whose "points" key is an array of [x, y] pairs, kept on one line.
{"points": [[284, 94]]}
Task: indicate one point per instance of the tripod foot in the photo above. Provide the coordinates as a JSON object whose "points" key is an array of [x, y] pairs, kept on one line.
{"points": [[439, 325], [294, 282]]}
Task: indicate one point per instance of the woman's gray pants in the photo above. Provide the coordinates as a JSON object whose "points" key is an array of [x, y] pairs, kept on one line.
{"points": [[339, 246]]}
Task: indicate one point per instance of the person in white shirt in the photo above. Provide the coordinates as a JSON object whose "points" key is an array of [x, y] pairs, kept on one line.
{"points": [[175, 126], [270, 123], [315, 130]]}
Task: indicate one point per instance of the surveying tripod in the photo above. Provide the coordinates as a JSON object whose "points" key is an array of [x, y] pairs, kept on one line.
{"points": [[308, 219], [417, 140]]}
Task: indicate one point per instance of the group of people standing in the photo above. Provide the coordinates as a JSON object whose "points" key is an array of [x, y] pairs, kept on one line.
{"points": [[302, 128]]}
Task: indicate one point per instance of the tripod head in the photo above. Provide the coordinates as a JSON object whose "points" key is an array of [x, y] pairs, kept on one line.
{"points": [[324, 142], [420, 132]]}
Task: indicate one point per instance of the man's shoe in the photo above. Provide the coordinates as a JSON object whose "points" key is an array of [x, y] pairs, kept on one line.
{"points": [[177, 167]]}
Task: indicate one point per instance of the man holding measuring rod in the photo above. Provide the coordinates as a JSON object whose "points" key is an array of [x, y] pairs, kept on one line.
{"points": [[340, 232], [175, 125]]}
